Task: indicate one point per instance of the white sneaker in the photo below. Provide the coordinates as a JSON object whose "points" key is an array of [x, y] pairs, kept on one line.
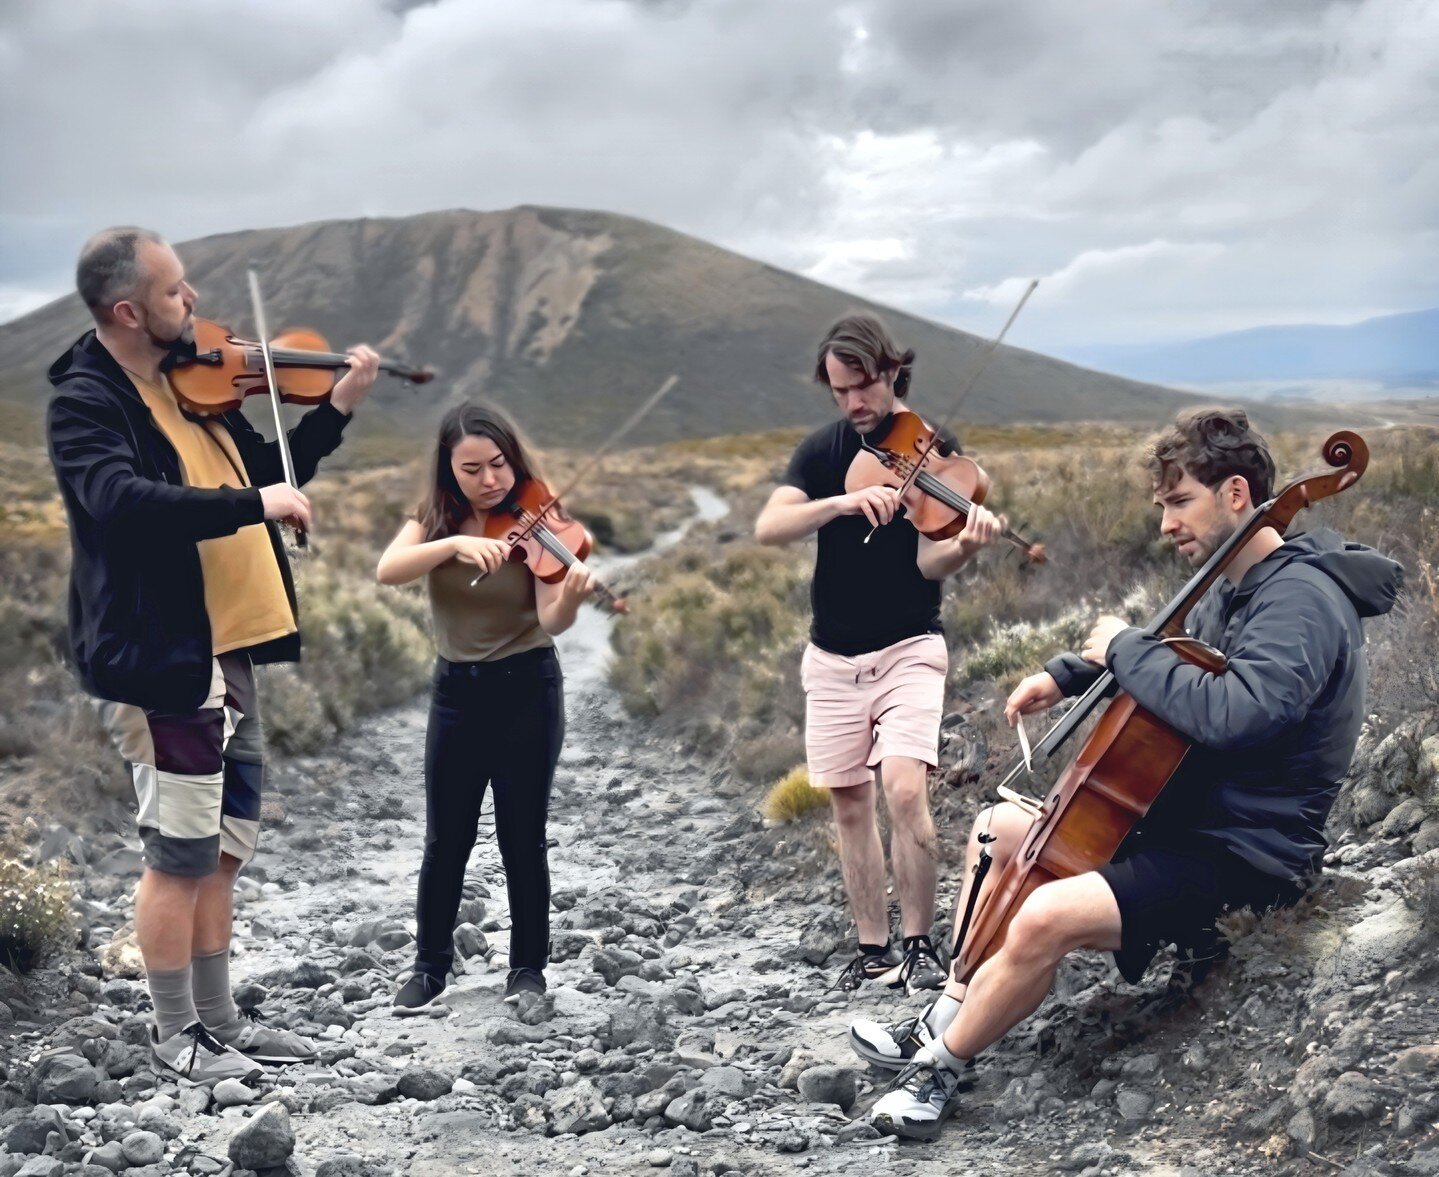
{"points": [[198, 1057], [890, 1047], [922, 1097]]}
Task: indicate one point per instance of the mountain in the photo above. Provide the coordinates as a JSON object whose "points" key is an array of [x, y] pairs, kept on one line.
{"points": [[569, 318], [1395, 351]]}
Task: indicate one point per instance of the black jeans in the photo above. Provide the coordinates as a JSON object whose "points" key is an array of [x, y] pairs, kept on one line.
{"points": [[491, 723]]}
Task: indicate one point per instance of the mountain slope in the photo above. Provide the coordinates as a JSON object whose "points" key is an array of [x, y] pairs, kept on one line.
{"points": [[569, 317]]}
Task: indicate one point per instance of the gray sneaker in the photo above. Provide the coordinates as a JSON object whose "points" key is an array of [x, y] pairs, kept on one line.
{"points": [[198, 1057], [271, 1044]]}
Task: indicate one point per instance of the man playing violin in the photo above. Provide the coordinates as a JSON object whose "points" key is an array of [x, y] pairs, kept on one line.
{"points": [[875, 667], [1240, 824], [178, 587]]}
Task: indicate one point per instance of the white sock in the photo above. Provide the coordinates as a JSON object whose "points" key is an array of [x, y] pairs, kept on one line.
{"points": [[944, 1010], [941, 1054]]}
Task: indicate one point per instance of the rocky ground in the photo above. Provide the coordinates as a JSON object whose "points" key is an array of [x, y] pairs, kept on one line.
{"points": [[687, 1029]]}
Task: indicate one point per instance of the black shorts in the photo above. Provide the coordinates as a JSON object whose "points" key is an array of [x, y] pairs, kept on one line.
{"points": [[1172, 893]]}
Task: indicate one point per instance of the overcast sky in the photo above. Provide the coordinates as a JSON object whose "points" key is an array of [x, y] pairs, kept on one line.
{"points": [[1168, 169]]}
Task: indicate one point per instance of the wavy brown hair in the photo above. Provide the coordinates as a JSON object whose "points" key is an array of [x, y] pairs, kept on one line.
{"points": [[443, 506], [1212, 445]]}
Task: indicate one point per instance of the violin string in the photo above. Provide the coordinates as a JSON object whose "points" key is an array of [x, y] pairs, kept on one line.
{"points": [[557, 549], [934, 487]]}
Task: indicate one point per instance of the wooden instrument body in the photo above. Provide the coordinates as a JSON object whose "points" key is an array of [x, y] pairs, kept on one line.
{"points": [[513, 522], [907, 438], [227, 369], [1094, 805], [546, 537], [1131, 754]]}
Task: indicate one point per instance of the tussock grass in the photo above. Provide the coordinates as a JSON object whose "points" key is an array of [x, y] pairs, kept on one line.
{"points": [[35, 912], [792, 797]]}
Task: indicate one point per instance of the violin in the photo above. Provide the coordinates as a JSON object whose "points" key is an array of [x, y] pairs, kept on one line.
{"points": [[938, 490], [545, 537], [224, 369], [1131, 754]]}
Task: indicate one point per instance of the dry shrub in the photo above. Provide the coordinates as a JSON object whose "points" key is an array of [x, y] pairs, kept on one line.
{"points": [[768, 755], [366, 647], [1011, 650], [716, 634], [35, 912], [793, 797]]}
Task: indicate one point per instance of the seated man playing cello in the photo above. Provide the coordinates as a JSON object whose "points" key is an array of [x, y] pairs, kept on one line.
{"points": [[1241, 821]]}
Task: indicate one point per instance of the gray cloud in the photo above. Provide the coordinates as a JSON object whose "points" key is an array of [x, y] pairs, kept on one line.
{"points": [[1169, 169]]}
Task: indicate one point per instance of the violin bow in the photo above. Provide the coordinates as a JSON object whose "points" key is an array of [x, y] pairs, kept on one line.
{"points": [[974, 374], [634, 419], [287, 463]]}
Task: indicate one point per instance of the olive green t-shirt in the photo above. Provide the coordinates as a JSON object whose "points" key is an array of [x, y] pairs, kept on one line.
{"points": [[489, 621]]}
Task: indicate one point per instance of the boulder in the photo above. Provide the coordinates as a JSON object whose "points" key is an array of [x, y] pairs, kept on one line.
{"points": [[265, 1141]]}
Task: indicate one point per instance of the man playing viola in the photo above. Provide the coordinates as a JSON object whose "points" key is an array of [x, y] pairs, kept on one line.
{"points": [[1240, 824], [178, 587], [874, 671]]}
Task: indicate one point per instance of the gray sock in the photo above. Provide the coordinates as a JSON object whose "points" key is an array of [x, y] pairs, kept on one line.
{"points": [[214, 1001], [174, 1004], [944, 1011]]}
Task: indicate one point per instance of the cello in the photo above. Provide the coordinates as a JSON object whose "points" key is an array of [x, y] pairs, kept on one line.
{"points": [[1131, 754]]}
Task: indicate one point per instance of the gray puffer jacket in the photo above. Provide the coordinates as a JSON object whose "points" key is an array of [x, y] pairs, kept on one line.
{"points": [[1274, 734]]}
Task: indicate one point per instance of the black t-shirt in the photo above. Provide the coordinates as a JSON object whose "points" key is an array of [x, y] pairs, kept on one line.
{"points": [[865, 596]]}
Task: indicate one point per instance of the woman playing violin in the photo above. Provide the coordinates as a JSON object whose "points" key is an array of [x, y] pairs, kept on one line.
{"points": [[497, 707]]}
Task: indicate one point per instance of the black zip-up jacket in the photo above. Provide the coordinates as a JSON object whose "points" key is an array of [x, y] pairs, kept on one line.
{"points": [[139, 632], [1273, 735]]}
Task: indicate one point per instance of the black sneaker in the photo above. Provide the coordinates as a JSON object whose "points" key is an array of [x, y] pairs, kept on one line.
{"points": [[920, 968], [869, 965], [920, 1099], [418, 994], [523, 980]]}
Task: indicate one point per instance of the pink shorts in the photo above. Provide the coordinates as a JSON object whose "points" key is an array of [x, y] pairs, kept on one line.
{"points": [[860, 710]]}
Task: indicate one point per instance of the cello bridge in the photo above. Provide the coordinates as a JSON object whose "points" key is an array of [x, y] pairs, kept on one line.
{"points": [[1028, 804]]}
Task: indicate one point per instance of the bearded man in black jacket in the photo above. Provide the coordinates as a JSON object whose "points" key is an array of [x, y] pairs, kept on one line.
{"points": [[179, 586], [1240, 824]]}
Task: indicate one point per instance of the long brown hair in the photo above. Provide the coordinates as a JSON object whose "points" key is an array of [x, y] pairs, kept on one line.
{"points": [[443, 506], [863, 344]]}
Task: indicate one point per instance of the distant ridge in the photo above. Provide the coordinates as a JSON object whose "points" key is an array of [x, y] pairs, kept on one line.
{"points": [[569, 317], [1394, 350]]}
